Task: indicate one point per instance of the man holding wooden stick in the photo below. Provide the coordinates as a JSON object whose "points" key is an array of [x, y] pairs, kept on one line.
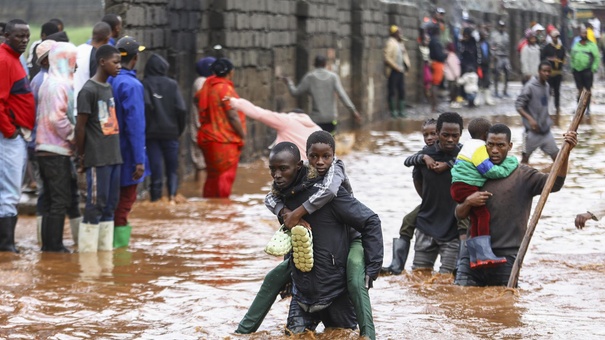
{"points": [[503, 196]]}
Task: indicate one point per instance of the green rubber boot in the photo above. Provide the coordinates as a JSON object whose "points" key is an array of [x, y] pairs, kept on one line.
{"points": [[401, 112], [121, 236], [393, 108]]}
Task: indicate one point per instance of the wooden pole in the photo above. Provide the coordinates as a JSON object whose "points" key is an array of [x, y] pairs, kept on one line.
{"points": [[550, 181]]}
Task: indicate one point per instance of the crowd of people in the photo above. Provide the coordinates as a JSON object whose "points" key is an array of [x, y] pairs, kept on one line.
{"points": [[86, 111], [467, 59]]}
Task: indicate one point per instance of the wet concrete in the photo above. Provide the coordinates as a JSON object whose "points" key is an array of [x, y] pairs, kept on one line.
{"points": [[192, 269]]}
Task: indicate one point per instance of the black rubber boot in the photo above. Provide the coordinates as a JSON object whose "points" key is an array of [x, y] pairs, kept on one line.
{"points": [[7, 234], [401, 248], [52, 234], [485, 257]]}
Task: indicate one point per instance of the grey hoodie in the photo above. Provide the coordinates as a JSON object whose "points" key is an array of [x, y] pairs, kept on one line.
{"points": [[534, 100], [321, 85]]}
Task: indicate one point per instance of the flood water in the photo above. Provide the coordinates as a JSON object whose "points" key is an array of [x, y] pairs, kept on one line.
{"points": [[192, 269]]}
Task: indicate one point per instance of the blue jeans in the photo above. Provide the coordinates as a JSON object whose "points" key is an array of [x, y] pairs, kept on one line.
{"points": [[163, 154], [13, 157], [103, 187]]}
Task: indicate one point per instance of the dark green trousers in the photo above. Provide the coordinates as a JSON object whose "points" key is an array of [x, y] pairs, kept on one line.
{"points": [[281, 275], [408, 224]]}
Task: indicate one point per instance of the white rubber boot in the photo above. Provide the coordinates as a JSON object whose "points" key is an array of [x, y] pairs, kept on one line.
{"points": [[106, 236], [488, 97], [39, 229], [74, 225], [88, 238]]}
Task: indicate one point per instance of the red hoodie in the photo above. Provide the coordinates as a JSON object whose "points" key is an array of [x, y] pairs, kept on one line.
{"points": [[17, 107]]}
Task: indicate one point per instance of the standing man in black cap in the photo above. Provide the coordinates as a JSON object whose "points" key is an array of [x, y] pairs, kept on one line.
{"points": [[129, 96], [500, 45]]}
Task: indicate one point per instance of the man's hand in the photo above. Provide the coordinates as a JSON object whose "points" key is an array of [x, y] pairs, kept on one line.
{"points": [[138, 172], [439, 167], [15, 134], [357, 117], [571, 137], [581, 219], [80, 164], [478, 198], [533, 124]]}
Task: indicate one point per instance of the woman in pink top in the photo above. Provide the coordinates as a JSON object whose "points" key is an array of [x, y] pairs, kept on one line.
{"points": [[293, 127]]}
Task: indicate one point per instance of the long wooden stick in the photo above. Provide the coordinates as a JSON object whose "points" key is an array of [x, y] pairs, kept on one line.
{"points": [[550, 181]]}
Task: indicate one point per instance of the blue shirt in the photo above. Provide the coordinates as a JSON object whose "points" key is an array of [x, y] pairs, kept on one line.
{"points": [[129, 98]]}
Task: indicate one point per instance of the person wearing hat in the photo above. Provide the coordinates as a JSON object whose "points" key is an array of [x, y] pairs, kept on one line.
{"points": [[222, 130], [129, 99], [500, 45], [397, 62], [554, 53], [32, 171], [202, 68]]}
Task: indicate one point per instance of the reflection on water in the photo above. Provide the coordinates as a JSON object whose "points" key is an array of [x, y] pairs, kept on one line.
{"points": [[193, 269]]}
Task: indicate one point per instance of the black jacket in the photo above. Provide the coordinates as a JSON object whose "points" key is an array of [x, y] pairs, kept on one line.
{"points": [[165, 110], [331, 241]]}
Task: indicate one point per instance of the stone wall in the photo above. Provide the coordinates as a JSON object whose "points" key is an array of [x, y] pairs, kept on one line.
{"points": [[268, 39]]}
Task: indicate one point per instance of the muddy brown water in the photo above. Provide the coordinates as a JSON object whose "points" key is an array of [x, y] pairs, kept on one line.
{"points": [[193, 269]]}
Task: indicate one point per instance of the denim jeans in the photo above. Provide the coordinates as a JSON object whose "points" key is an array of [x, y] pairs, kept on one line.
{"points": [[103, 187], [13, 157], [163, 155]]}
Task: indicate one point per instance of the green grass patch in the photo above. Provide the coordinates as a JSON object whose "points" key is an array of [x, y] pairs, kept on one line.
{"points": [[77, 35]]}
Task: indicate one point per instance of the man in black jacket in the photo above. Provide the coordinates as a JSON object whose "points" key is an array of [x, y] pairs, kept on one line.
{"points": [[320, 295], [165, 114]]}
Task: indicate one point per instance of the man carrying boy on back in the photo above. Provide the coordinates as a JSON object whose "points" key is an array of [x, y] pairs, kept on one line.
{"points": [[320, 295], [98, 149]]}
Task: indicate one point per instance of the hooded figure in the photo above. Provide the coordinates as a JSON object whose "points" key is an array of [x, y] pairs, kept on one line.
{"points": [[165, 119], [165, 110], [56, 101], [54, 147]]}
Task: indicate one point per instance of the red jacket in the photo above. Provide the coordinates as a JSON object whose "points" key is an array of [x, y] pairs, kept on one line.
{"points": [[17, 107]]}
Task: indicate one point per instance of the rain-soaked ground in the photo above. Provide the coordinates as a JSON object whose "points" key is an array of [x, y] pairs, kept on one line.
{"points": [[192, 269]]}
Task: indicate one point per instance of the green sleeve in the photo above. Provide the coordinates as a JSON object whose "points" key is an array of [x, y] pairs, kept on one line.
{"points": [[504, 169], [597, 58]]}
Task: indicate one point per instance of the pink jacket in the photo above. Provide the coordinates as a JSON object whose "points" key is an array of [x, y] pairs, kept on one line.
{"points": [[56, 101], [451, 71], [290, 127]]}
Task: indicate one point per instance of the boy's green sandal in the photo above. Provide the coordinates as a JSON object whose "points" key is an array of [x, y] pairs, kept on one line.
{"points": [[302, 248]]}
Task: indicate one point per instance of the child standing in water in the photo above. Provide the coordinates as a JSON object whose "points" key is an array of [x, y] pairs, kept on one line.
{"points": [[473, 167]]}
